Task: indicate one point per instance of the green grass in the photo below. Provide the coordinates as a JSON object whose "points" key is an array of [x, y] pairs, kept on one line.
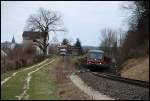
{"points": [[41, 86], [7, 74], [14, 86]]}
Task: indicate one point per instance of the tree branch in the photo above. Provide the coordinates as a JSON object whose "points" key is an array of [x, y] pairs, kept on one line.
{"points": [[40, 44]]}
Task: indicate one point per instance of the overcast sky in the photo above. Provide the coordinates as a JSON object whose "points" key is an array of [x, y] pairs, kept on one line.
{"points": [[82, 19]]}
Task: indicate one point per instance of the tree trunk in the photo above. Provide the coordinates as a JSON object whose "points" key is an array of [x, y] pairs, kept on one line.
{"points": [[44, 53], [45, 45]]}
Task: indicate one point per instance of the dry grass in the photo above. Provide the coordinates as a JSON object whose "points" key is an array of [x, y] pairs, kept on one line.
{"points": [[65, 89], [60, 75], [136, 69], [62, 70]]}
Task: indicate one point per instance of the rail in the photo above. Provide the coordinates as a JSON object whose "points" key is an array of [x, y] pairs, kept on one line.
{"points": [[144, 84]]}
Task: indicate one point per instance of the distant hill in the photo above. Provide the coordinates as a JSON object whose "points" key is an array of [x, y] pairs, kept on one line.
{"points": [[90, 47]]}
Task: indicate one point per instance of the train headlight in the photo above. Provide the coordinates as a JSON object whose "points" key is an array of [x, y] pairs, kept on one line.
{"points": [[89, 62], [100, 63]]}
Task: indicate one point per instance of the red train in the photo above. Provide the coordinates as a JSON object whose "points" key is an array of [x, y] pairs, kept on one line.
{"points": [[97, 58]]}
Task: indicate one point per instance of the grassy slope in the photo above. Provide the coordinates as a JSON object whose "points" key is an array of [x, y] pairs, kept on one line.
{"points": [[136, 69], [14, 86]]}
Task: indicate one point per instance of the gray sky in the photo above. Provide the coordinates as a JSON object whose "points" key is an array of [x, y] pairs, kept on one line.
{"points": [[82, 19]]}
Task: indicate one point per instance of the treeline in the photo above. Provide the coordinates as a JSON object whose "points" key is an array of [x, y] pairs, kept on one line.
{"points": [[133, 43], [136, 42], [77, 45], [112, 44]]}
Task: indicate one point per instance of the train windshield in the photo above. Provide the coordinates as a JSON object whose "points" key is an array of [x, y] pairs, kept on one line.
{"points": [[95, 55]]}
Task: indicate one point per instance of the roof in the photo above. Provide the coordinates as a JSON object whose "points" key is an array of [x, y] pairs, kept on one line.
{"points": [[62, 46], [100, 51], [32, 35]]}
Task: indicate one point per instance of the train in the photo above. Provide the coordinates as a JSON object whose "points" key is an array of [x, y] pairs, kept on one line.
{"points": [[96, 59]]}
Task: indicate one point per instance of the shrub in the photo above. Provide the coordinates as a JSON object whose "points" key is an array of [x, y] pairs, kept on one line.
{"points": [[19, 58]]}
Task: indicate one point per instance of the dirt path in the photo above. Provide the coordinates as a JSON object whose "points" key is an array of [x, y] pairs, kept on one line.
{"points": [[26, 86], [8, 78], [16, 86], [68, 91]]}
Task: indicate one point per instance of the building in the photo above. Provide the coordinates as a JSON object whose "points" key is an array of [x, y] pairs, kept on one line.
{"points": [[70, 49], [29, 38], [8, 45]]}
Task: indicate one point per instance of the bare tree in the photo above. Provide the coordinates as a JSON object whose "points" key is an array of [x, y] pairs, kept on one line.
{"points": [[137, 38], [44, 21], [54, 40], [70, 40], [121, 37], [109, 41]]}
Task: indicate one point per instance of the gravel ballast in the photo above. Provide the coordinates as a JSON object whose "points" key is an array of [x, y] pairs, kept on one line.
{"points": [[115, 89], [93, 94]]}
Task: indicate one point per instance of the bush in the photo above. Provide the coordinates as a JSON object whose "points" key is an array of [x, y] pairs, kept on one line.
{"points": [[19, 58]]}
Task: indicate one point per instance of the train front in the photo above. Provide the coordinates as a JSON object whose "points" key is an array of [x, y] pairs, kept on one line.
{"points": [[96, 58]]}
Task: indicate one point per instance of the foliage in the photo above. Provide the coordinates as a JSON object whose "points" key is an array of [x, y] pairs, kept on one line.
{"points": [[78, 46], [65, 41]]}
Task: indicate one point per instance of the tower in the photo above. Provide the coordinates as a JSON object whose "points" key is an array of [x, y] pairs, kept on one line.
{"points": [[13, 44], [13, 40]]}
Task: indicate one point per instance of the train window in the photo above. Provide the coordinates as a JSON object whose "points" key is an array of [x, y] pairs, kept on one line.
{"points": [[95, 55]]}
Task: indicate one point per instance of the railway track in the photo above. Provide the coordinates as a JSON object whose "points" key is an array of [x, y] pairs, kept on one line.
{"points": [[116, 89], [115, 86], [122, 79], [111, 76]]}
